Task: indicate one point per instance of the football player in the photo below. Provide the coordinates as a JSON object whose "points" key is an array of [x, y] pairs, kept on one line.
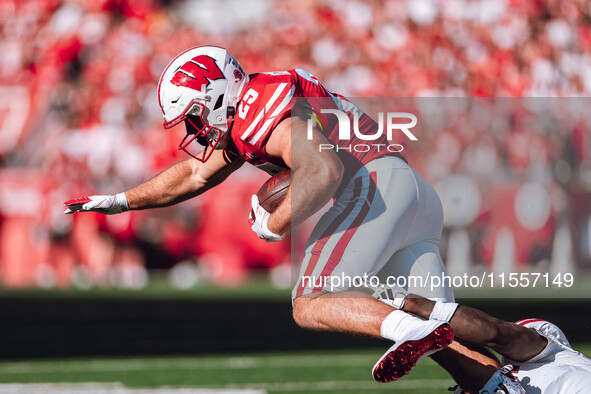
{"points": [[535, 351], [385, 217]]}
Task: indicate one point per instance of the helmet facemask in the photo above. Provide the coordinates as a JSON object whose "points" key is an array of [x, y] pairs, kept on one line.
{"points": [[200, 134]]}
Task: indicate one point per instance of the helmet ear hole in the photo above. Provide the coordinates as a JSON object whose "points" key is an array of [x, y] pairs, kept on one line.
{"points": [[219, 102]]}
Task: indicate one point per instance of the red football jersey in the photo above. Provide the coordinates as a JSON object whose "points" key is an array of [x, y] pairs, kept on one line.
{"points": [[269, 98]]}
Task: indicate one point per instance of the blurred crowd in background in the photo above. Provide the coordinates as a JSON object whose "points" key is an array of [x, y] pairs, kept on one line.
{"points": [[79, 115]]}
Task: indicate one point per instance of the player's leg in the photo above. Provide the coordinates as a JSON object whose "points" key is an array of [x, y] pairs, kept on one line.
{"points": [[509, 339], [353, 312], [402, 211], [471, 366], [352, 240], [364, 227], [417, 264], [356, 312]]}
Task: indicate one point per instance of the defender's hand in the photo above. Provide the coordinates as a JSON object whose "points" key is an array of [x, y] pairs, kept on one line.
{"points": [[107, 204], [258, 222]]}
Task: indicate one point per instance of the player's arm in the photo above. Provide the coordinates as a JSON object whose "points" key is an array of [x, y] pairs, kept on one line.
{"points": [[181, 181], [184, 180], [316, 174], [508, 339]]}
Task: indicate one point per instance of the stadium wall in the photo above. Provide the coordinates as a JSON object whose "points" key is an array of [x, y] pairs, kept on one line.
{"points": [[67, 327]]}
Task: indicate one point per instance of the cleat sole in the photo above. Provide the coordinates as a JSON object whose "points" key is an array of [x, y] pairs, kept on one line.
{"points": [[401, 360]]}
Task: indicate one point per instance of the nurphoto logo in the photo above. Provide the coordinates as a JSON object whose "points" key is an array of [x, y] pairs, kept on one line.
{"points": [[393, 124]]}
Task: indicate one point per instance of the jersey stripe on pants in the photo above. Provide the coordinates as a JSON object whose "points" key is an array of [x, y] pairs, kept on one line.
{"points": [[348, 220]]}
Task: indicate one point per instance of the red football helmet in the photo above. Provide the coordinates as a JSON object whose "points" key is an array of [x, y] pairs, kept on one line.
{"points": [[201, 87]]}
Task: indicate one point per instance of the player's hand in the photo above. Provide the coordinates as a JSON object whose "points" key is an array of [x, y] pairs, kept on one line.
{"points": [[107, 204], [258, 222]]}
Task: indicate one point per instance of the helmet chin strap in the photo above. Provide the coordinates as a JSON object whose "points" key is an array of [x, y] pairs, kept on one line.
{"points": [[231, 111]]}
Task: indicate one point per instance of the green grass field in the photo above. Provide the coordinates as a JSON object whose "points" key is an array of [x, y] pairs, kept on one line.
{"points": [[310, 372], [304, 372]]}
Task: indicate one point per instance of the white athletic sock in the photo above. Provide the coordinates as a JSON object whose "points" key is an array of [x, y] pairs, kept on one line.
{"points": [[443, 311], [395, 325]]}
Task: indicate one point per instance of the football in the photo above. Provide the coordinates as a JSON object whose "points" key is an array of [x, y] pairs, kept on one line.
{"points": [[273, 191]]}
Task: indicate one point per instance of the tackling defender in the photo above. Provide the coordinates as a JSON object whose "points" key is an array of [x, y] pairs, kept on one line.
{"points": [[385, 220], [538, 352]]}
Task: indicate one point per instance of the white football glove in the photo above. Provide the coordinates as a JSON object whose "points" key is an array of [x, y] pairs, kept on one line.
{"points": [[258, 222], [503, 382], [107, 204]]}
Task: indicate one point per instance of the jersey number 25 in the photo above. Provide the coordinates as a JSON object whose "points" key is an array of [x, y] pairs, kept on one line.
{"points": [[249, 98]]}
